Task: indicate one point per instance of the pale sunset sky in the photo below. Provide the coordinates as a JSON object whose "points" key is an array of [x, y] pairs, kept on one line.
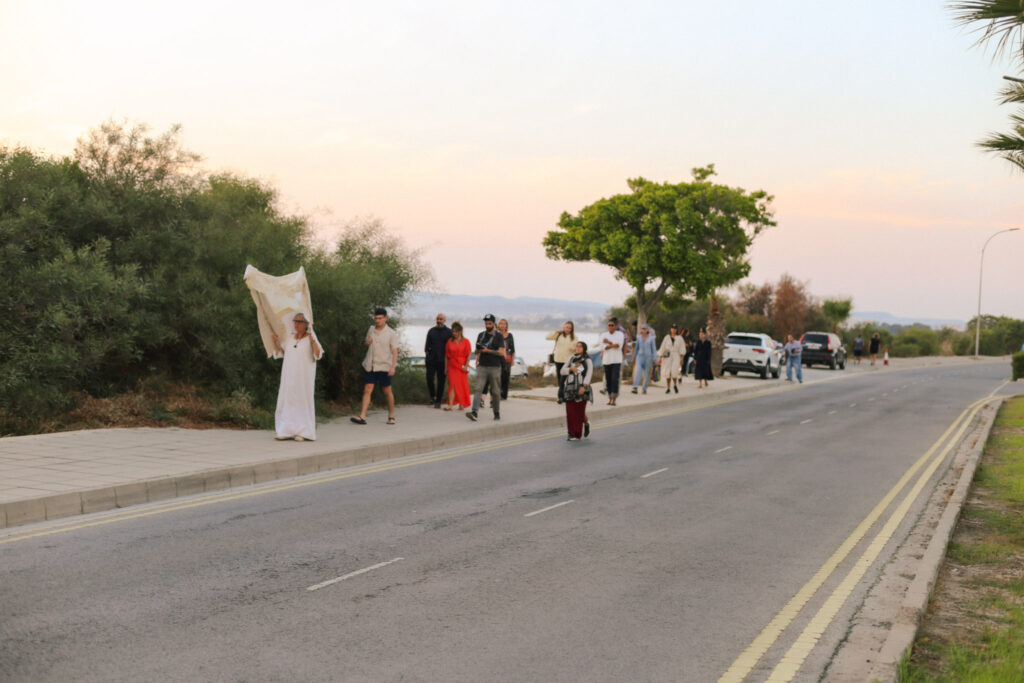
{"points": [[468, 127]]}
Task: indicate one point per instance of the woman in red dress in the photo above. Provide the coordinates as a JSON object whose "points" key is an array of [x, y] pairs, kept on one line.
{"points": [[456, 363]]}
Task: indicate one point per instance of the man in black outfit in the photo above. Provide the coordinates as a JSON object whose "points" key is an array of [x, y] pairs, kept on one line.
{"points": [[437, 339], [490, 352]]}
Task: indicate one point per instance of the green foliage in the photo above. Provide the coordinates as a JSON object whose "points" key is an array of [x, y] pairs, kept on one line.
{"points": [[122, 264], [680, 240], [916, 342], [836, 311], [1017, 363]]}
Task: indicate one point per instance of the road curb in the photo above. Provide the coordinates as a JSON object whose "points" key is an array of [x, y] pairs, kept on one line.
{"points": [[138, 492]]}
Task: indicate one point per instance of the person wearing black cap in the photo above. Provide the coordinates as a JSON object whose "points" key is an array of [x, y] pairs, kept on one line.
{"points": [[490, 350]]}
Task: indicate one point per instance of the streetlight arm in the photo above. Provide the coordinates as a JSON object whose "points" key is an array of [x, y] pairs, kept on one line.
{"points": [[981, 266]]}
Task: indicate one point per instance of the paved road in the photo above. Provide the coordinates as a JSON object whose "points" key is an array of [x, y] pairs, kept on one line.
{"points": [[657, 550]]}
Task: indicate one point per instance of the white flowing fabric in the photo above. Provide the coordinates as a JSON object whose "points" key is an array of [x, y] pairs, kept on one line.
{"points": [[278, 299], [296, 414]]}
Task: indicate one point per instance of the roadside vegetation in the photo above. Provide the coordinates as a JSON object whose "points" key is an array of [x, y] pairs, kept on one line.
{"points": [[788, 307], [974, 627], [123, 294]]}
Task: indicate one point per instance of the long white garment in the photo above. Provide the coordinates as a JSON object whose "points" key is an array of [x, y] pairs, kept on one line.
{"points": [[296, 413], [671, 352]]}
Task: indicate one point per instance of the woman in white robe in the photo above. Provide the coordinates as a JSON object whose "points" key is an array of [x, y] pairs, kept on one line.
{"points": [[670, 355], [295, 417]]}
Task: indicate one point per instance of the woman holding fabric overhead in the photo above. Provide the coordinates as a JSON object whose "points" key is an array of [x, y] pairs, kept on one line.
{"points": [[456, 355], [578, 370], [295, 417]]}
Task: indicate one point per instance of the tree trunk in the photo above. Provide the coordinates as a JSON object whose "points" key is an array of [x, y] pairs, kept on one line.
{"points": [[716, 333]]}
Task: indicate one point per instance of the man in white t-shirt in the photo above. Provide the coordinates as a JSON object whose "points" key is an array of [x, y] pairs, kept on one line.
{"points": [[612, 344]]}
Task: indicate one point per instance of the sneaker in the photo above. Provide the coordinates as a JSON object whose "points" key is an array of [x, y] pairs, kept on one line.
{"points": [[437, 405], [572, 438], [634, 390], [497, 416], [676, 387], [586, 429], [645, 391], [471, 415], [669, 390]]}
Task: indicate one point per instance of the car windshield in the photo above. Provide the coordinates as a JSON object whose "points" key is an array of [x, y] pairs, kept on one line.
{"points": [[743, 340]]}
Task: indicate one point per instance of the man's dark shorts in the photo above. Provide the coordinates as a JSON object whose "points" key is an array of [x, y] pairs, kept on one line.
{"points": [[858, 352], [381, 379]]}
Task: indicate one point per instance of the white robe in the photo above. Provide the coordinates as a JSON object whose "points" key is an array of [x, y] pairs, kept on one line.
{"points": [[296, 413]]}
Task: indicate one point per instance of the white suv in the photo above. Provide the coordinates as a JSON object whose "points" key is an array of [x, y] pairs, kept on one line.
{"points": [[752, 352]]}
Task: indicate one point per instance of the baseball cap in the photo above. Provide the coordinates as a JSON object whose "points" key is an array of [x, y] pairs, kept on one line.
{"points": [[489, 316]]}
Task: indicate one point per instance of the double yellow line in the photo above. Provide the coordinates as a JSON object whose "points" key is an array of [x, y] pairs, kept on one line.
{"points": [[790, 663]]}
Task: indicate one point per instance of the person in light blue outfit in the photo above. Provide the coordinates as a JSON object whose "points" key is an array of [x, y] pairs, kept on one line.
{"points": [[793, 348], [643, 357]]}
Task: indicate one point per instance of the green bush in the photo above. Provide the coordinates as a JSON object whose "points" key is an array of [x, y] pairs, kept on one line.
{"points": [[123, 264], [1017, 363]]}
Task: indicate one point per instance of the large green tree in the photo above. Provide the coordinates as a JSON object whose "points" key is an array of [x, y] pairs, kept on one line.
{"points": [[668, 241], [1001, 24]]}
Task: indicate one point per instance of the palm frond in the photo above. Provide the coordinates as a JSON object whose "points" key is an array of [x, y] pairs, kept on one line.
{"points": [[1002, 21], [1008, 146]]}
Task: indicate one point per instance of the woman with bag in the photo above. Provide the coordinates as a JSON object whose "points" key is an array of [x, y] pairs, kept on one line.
{"points": [[565, 341], [670, 356], [578, 371]]}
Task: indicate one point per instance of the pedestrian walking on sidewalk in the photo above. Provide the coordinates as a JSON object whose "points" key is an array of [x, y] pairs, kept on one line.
{"points": [[295, 417], [670, 355], [613, 342], [507, 360], [873, 348], [644, 354], [457, 353], [434, 353], [578, 371], [702, 360], [379, 364], [688, 341], [565, 342], [490, 350], [794, 350]]}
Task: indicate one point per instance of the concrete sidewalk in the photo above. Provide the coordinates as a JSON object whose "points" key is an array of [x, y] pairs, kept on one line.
{"points": [[49, 476]]}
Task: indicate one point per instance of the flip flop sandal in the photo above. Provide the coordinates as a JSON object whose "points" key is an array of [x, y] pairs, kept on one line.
{"points": [[391, 421], [358, 420]]}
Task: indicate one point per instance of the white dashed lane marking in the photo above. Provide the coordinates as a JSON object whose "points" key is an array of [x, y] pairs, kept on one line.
{"points": [[803, 422], [651, 474], [773, 432], [331, 582], [722, 450], [550, 507]]}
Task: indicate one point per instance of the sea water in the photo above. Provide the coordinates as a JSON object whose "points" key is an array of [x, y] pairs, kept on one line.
{"points": [[531, 345]]}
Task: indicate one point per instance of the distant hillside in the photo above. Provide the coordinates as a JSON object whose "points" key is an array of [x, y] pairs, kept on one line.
{"points": [[525, 312], [885, 319]]}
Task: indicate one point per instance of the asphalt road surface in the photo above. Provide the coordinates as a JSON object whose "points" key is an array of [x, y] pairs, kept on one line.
{"points": [[657, 550]]}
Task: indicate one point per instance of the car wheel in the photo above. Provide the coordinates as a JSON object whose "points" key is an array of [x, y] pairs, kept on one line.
{"points": [[775, 372], [832, 364], [842, 364], [733, 372], [765, 370]]}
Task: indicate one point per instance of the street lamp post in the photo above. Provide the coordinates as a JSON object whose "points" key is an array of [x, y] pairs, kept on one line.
{"points": [[977, 320]]}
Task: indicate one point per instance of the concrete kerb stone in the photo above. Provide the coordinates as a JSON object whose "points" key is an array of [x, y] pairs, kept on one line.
{"points": [[25, 512], [131, 494], [99, 500], [63, 505]]}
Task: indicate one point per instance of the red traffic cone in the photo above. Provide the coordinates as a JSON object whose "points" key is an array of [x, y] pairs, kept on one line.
{"points": [[886, 358]]}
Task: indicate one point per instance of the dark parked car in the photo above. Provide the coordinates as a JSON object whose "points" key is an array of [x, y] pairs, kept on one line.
{"points": [[824, 348]]}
